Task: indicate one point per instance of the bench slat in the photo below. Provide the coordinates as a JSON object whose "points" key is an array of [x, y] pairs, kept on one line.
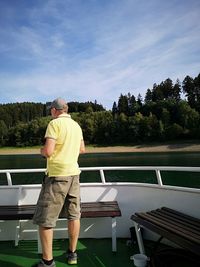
{"points": [[180, 228], [88, 210], [176, 218], [181, 225], [100, 209], [184, 217], [171, 227]]}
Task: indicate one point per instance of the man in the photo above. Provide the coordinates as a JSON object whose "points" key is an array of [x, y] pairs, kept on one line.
{"points": [[60, 189]]}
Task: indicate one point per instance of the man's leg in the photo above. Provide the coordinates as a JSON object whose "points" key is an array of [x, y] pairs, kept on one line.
{"points": [[73, 230], [46, 237]]}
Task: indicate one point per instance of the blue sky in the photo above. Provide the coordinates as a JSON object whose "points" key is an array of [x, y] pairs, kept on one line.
{"points": [[87, 50]]}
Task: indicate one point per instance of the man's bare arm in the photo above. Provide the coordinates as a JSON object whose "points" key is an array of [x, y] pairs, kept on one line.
{"points": [[82, 147], [48, 148]]}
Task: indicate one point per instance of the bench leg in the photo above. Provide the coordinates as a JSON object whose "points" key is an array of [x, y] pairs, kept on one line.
{"points": [[139, 238], [39, 242], [17, 232], [114, 238]]}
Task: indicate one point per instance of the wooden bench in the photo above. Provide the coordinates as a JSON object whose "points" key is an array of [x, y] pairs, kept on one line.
{"points": [[182, 229], [88, 210]]}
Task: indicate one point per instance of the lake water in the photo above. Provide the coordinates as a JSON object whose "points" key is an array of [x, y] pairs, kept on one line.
{"points": [[112, 159]]}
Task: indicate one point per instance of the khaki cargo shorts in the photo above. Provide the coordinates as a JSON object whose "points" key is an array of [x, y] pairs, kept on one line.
{"points": [[59, 195]]}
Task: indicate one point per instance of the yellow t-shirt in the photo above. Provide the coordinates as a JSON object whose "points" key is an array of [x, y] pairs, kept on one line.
{"points": [[68, 136]]}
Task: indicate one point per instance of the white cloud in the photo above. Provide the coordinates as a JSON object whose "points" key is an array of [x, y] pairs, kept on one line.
{"points": [[86, 51]]}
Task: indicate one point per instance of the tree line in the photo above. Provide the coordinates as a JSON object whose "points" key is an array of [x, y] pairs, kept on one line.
{"points": [[168, 112], [24, 124]]}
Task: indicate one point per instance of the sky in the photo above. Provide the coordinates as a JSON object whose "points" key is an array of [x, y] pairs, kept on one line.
{"points": [[87, 50]]}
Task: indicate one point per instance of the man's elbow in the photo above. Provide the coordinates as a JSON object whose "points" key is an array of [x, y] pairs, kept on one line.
{"points": [[82, 150]]}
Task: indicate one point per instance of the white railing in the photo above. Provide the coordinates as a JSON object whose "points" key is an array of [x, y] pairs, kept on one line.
{"points": [[101, 170]]}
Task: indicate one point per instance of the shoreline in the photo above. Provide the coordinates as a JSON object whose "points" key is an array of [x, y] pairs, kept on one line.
{"points": [[179, 147]]}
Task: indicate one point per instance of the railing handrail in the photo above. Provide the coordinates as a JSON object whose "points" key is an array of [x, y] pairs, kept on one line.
{"points": [[157, 169], [161, 168]]}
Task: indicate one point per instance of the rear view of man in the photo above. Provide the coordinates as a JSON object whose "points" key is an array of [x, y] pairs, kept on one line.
{"points": [[60, 189]]}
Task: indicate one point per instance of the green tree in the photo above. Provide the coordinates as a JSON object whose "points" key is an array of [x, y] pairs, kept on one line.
{"points": [[148, 96], [139, 100], [89, 109], [132, 105], [36, 131], [167, 88], [189, 90], [123, 104], [157, 93], [174, 131], [114, 109], [3, 132], [88, 128], [197, 92], [136, 126], [177, 91], [104, 127], [188, 118], [165, 116]]}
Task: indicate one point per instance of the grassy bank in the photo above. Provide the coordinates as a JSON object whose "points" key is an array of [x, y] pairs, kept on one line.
{"points": [[155, 147]]}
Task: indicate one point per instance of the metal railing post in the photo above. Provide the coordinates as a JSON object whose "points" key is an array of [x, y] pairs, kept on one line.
{"points": [[9, 179], [102, 176], [159, 179]]}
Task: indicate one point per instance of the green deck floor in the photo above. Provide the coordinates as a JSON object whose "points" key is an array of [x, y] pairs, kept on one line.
{"points": [[91, 252]]}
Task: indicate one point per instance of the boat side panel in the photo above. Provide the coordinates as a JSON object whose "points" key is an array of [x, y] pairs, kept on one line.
{"points": [[131, 199]]}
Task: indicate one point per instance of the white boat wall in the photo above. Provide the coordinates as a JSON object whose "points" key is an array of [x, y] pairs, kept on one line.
{"points": [[131, 197]]}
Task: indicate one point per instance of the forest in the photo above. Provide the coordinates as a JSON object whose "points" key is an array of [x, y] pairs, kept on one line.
{"points": [[169, 111]]}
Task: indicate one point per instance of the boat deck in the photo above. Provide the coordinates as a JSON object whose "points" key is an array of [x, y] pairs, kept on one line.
{"points": [[91, 252]]}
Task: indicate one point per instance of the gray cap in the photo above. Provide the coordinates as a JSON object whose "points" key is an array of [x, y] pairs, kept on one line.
{"points": [[59, 103]]}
